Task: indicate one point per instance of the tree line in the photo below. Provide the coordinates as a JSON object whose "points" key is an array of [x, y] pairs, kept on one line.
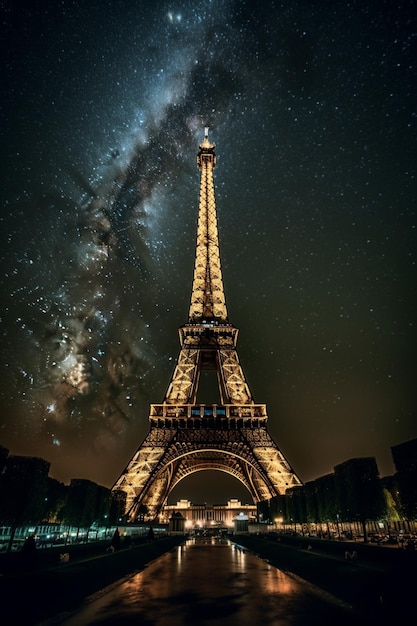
{"points": [[28, 495], [353, 493]]}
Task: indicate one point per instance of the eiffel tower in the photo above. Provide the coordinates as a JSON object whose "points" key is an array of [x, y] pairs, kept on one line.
{"points": [[186, 437]]}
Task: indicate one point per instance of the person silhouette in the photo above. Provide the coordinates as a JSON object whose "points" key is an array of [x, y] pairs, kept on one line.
{"points": [[115, 542], [28, 552]]}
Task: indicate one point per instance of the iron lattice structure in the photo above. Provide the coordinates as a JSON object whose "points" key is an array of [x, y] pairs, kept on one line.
{"points": [[186, 437]]}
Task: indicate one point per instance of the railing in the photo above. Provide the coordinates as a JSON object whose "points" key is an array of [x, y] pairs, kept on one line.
{"points": [[208, 415]]}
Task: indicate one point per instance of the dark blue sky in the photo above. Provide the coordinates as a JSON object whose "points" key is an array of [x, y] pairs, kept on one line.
{"points": [[312, 107]]}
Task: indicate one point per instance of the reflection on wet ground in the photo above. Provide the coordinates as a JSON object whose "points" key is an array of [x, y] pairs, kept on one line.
{"points": [[211, 581]]}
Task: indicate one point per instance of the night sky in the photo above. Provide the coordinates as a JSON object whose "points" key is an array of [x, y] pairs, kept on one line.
{"points": [[312, 107]]}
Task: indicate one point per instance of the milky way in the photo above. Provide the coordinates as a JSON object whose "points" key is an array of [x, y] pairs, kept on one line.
{"points": [[313, 114]]}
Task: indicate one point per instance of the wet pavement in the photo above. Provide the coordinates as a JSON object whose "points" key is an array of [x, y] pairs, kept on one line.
{"points": [[211, 581]]}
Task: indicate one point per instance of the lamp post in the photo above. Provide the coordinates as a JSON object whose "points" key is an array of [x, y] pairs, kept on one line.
{"points": [[337, 524]]}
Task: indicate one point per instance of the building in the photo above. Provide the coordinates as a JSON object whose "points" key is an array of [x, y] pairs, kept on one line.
{"points": [[210, 518]]}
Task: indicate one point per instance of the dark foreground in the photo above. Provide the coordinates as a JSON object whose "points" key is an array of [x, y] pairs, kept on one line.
{"points": [[32, 594], [196, 586]]}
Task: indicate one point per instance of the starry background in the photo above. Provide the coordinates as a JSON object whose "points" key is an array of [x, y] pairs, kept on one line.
{"points": [[312, 106]]}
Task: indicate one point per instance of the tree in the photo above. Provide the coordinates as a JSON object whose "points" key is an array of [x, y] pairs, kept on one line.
{"points": [[103, 504], [405, 461], [359, 491], [394, 510], [296, 505], [80, 507], [327, 506], [4, 453], [56, 496], [117, 506], [263, 510], [23, 489], [407, 484], [278, 508], [310, 492]]}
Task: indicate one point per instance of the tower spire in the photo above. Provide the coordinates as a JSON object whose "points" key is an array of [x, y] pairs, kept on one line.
{"points": [[207, 296]]}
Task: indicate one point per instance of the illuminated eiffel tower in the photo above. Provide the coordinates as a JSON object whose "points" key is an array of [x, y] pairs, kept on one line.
{"points": [[186, 437]]}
